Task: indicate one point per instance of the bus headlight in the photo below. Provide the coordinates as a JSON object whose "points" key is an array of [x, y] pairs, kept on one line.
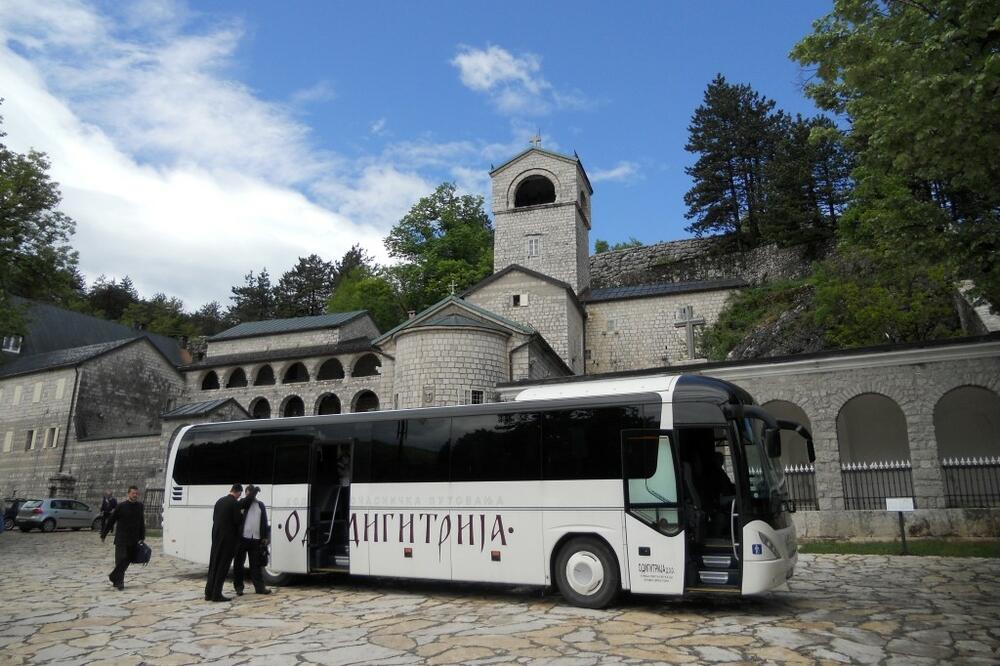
{"points": [[769, 545]]}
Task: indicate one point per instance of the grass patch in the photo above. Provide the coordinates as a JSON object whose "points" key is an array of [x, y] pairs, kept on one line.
{"points": [[940, 547]]}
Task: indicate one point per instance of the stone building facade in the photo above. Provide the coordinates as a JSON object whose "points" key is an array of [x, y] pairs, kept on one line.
{"points": [[77, 421]]}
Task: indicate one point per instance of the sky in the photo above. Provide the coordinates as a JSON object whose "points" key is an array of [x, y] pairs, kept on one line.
{"points": [[195, 142]]}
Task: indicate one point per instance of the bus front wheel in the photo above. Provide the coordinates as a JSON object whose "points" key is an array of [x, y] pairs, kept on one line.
{"points": [[276, 577], [587, 573]]}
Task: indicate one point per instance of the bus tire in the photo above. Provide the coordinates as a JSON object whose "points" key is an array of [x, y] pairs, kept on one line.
{"points": [[586, 573], [276, 577]]}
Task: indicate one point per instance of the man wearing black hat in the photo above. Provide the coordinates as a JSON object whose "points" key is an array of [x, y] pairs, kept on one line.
{"points": [[226, 522]]}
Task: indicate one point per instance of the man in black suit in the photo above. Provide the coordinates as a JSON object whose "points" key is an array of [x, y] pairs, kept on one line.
{"points": [[226, 523], [255, 534], [130, 519]]}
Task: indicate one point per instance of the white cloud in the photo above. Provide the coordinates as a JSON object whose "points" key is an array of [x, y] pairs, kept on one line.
{"points": [[177, 174], [620, 172], [514, 83], [377, 127], [321, 91]]}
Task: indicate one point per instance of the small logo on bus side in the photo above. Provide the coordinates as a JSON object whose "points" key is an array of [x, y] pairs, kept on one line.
{"points": [[757, 549]]}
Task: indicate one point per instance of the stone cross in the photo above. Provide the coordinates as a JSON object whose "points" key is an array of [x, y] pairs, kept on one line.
{"points": [[684, 318], [536, 140], [453, 285]]}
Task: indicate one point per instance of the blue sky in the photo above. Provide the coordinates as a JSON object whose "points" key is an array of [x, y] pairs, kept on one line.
{"points": [[195, 142]]}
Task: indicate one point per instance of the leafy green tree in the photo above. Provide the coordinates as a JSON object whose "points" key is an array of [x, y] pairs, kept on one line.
{"points": [[304, 290], [920, 84], [210, 319], [735, 133], [603, 245], [254, 300], [444, 240], [865, 298], [36, 260], [354, 258], [110, 298], [361, 288], [160, 314]]}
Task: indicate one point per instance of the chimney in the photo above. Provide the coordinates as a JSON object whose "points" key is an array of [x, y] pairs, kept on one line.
{"points": [[411, 314]]}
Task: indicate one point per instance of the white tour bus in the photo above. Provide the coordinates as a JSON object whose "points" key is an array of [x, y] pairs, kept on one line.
{"points": [[662, 485]]}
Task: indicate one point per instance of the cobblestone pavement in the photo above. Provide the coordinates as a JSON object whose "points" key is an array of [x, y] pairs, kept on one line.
{"points": [[56, 606]]}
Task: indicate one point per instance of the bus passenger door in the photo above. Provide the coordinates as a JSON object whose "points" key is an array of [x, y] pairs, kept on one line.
{"points": [[290, 509], [653, 527]]}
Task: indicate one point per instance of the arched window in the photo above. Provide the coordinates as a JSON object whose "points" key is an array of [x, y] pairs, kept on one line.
{"points": [[367, 366], [265, 377], [533, 191], [211, 381], [260, 409], [237, 379], [328, 404], [295, 373], [365, 401], [293, 406], [331, 369]]}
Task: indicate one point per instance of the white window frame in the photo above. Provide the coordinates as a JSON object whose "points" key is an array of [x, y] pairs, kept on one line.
{"points": [[51, 437], [534, 246], [30, 440], [8, 442], [37, 396], [12, 343], [519, 300], [468, 395]]}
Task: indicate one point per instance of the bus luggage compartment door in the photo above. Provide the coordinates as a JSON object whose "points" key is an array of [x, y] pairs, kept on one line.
{"points": [[289, 528]]}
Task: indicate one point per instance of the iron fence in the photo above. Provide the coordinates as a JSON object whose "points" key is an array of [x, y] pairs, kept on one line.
{"points": [[801, 483], [867, 484], [152, 502], [971, 482]]}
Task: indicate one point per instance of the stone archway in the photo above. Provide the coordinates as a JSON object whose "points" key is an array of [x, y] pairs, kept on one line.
{"points": [[260, 408], [874, 451], [210, 381], [368, 365], [237, 379], [967, 430], [365, 401], [296, 373], [292, 406], [331, 369], [328, 403], [264, 376]]}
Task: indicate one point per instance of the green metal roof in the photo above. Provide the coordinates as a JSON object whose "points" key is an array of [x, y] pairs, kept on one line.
{"points": [[293, 325]]}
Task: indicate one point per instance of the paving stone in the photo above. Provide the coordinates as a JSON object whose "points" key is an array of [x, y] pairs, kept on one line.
{"points": [[838, 609]]}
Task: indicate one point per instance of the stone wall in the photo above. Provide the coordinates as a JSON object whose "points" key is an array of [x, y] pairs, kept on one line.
{"points": [[123, 393], [640, 333], [436, 365], [115, 463], [34, 406], [550, 311], [315, 338], [696, 259]]}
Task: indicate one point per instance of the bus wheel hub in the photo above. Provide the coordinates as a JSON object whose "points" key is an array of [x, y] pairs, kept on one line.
{"points": [[584, 572]]}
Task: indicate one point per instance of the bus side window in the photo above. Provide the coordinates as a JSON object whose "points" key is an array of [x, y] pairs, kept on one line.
{"points": [[291, 463], [496, 447]]}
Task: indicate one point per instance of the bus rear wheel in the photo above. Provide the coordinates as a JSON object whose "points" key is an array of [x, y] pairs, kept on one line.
{"points": [[586, 573]]}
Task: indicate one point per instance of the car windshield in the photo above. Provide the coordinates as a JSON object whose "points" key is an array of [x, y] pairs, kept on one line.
{"points": [[30, 504], [767, 478]]}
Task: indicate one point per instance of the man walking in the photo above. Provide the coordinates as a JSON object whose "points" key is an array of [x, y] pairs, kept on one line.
{"points": [[226, 525], [255, 535], [108, 504], [130, 519]]}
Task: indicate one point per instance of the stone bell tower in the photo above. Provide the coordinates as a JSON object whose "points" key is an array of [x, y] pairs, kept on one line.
{"points": [[541, 209]]}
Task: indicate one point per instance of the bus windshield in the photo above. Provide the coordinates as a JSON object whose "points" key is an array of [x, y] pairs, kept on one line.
{"points": [[767, 478]]}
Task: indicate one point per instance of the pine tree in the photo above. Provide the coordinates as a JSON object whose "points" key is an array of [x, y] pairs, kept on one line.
{"points": [[304, 290], [254, 301], [735, 132]]}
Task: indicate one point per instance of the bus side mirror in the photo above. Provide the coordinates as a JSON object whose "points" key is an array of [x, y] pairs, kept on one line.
{"points": [[772, 439]]}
